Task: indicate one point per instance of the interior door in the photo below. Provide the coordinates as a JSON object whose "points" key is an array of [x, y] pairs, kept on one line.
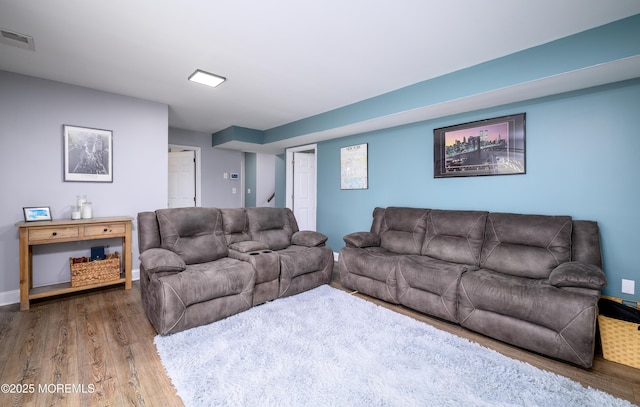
{"points": [[304, 190], [182, 179]]}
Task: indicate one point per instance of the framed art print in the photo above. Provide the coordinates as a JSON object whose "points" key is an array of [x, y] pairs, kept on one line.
{"points": [[354, 167], [88, 154], [34, 214], [486, 147]]}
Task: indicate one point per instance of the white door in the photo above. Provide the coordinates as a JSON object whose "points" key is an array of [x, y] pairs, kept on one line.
{"points": [[182, 179], [304, 190]]}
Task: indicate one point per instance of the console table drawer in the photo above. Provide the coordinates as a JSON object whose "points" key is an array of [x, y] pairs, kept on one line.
{"points": [[36, 235], [104, 230]]}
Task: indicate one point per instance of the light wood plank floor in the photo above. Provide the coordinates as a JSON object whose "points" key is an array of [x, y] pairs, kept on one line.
{"points": [[100, 345]]}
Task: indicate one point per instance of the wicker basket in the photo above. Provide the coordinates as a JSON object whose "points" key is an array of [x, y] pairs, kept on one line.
{"points": [[95, 272], [620, 339]]}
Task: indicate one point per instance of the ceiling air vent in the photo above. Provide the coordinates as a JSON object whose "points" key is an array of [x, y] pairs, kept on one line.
{"points": [[17, 39]]}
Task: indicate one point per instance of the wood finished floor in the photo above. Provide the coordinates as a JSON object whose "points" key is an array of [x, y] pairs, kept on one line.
{"points": [[101, 343]]}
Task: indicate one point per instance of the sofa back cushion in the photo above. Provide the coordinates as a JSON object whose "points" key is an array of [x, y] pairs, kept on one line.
{"points": [[271, 226], [455, 236], [235, 225], [526, 245], [195, 234], [148, 232], [403, 229]]}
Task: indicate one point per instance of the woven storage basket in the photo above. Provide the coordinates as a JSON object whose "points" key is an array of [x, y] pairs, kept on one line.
{"points": [[95, 272], [620, 339]]}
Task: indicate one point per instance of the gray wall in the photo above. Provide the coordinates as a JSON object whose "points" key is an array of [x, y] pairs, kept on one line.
{"points": [[32, 112], [216, 191]]}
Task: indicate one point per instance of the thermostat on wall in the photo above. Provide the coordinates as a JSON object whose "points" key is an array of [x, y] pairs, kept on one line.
{"points": [[234, 175]]}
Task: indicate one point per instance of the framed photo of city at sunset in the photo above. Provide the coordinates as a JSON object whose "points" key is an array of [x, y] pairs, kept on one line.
{"points": [[485, 147]]}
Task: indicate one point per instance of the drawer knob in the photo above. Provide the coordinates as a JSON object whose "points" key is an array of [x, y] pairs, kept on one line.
{"points": [[55, 233], [105, 229]]}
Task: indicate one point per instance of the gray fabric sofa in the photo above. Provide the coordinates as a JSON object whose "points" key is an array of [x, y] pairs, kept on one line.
{"points": [[529, 280], [200, 265]]}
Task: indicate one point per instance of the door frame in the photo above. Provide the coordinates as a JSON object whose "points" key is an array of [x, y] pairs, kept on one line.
{"points": [[198, 179], [289, 173]]}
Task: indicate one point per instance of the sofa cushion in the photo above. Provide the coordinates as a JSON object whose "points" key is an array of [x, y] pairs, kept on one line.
{"points": [[403, 230], [206, 281], [195, 234], [455, 236], [430, 285], [526, 245], [235, 225], [526, 299], [271, 226]]}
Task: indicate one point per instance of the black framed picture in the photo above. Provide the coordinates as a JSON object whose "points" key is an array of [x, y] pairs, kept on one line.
{"points": [[485, 147], [88, 154], [36, 213]]}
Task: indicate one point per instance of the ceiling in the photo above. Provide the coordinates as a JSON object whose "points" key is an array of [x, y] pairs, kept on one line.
{"points": [[284, 60]]}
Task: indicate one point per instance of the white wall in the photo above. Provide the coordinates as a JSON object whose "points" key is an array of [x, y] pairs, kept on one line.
{"points": [[32, 113]]}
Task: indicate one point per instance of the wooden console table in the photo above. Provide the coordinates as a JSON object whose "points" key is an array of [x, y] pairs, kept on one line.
{"points": [[58, 231]]}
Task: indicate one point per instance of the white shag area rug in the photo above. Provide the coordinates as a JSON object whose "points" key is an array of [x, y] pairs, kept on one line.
{"points": [[326, 347]]}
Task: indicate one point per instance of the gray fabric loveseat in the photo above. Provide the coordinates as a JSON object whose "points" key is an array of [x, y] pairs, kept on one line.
{"points": [[529, 280], [200, 265]]}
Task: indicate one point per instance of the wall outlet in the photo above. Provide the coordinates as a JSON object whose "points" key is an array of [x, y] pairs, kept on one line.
{"points": [[628, 287]]}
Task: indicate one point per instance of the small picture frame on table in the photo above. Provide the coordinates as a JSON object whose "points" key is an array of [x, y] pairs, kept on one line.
{"points": [[36, 213]]}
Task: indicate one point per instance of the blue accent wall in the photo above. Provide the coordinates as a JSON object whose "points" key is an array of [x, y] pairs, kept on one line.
{"points": [[582, 157]]}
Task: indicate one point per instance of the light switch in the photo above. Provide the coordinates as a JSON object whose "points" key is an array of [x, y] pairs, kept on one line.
{"points": [[234, 190]]}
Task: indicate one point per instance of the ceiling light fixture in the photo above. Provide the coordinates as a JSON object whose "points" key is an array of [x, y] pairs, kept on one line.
{"points": [[206, 78]]}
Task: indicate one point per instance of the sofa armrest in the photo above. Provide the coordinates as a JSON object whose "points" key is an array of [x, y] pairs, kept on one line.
{"points": [[308, 238], [576, 274], [362, 239], [248, 246], [158, 260]]}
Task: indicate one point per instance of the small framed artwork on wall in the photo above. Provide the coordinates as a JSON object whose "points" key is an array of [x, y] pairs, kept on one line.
{"points": [[88, 154], [354, 167]]}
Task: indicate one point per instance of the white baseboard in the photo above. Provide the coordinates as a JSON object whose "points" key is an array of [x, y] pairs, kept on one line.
{"points": [[9, 297], [13, 296]]}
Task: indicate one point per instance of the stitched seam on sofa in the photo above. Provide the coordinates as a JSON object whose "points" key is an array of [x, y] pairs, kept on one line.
{"points": [[492, 226], [462, 291], [445, 305], [590, 310], [184, 307], [476, 257], [418, 245], [173, 229], [288, 280], [398, 275], [553, 238]]}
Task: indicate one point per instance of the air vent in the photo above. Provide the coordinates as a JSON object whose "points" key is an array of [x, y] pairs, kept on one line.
{"points": [[17, 39]]}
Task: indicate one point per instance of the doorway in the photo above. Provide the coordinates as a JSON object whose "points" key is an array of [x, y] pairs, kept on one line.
{"points": [[301, 188], [184, 176]]}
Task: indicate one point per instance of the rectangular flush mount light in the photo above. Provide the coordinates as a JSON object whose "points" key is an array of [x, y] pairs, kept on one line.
{"points": [[206, 78]]}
